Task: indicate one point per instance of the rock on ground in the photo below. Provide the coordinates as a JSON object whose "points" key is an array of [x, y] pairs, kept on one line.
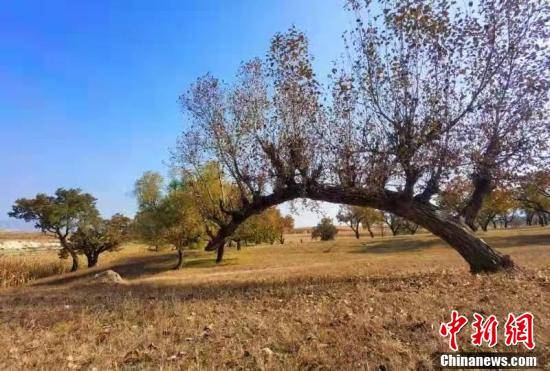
{"points": [[109, 276]]}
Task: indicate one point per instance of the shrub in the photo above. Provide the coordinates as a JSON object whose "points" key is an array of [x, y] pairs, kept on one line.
{"points": [[324, 230]]}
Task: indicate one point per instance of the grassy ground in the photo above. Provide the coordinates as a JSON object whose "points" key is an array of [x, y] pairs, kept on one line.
{"points": [[345, 304]]}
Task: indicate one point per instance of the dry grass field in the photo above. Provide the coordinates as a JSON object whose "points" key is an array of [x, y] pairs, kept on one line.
{"points": [[29, 236], [347, 304]]}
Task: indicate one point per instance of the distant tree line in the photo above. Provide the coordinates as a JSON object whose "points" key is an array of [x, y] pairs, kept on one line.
{"points": [[527, 202], [184, 215], [524, 202], [366, 217]]}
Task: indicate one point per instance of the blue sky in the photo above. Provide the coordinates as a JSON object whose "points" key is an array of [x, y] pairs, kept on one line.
{"points": [[88, 90]]}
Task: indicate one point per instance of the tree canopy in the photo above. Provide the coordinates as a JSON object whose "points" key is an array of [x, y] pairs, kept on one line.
{"points": [[355, 217], [58, 215], [431, 89], [148, 189], [99, 236], [325, 230]]}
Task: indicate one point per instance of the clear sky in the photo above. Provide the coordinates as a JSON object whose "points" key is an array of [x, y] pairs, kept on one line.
{"points": [[88, 89]]}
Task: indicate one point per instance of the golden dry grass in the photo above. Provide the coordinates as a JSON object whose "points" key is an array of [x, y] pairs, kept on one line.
{"points": [[19, 270], [31, 236], [344, 304]]}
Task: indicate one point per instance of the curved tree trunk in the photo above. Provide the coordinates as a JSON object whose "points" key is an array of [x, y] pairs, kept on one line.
{"points": [[479, 255]]}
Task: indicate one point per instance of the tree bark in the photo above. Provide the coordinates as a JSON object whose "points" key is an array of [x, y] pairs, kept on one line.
{"points": [[482, 187], [542, 219], [74, 256], [370, 230], [219, 253], [180, 262], [529, 218], [92, 259], [356, 231], [479, 255]]}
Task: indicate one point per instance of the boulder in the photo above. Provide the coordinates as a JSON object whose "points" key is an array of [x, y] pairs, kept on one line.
{"points": [[108, 276]]}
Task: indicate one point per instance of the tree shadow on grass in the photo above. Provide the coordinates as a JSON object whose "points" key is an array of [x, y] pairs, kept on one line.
{"points": [[517, 240], [409, 243], [91, 294], [135, 267], [397, 245]]}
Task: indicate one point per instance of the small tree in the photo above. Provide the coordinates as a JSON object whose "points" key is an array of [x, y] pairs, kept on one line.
{"points": [[324, 230], [172, 218], [410, 227], [181, 223], [58, 215], [149, 193], [148, 227], [268, 226], [352, 216], [370, 217], [287, 226], [148, 190], [213, 197], [394, 222], [99, 236]]}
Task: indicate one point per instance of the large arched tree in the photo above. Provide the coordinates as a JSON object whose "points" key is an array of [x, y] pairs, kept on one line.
{"points": [[428, 90]]}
